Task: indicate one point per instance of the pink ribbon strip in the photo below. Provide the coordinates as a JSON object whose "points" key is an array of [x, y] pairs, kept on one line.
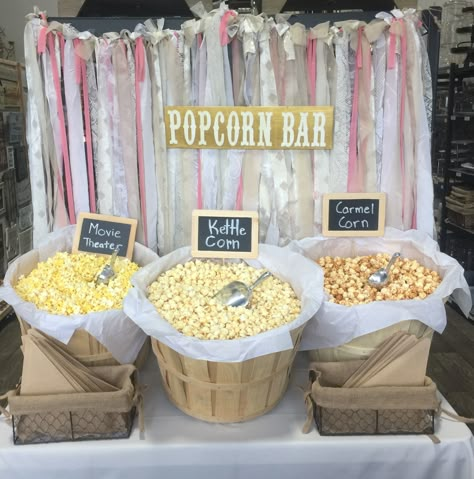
{"points": [[42, 40], [240, 193], [236, 67], [224, 38], [61, 47], [62, 125], [392, 49], [81, 77], [352, 180], [139, 78]]}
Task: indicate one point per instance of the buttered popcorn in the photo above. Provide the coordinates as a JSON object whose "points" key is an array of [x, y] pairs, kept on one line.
{"points": [[345, 279], [184, 297], [65, 284]]}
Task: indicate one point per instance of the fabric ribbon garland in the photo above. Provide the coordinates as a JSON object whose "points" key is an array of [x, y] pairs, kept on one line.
{"points": [[62, 126], [72, 80], [139, 78], [38, 142], [81, 72], [381, 124], [339, 155], [58, 206]]}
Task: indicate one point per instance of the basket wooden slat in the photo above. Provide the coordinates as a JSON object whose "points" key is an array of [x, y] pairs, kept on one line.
{"points": [[222, 391], [90, 351], [175, 386], [261, 367], [202, 399]]}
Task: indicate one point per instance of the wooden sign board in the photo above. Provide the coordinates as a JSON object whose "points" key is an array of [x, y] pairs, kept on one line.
{"points": [[250, 127], [101, 234], [354, 214], [224, 234]]}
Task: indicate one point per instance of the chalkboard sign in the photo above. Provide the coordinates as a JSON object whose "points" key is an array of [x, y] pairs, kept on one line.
{"points": [[354, 214], [224, 234], [102, 234]]}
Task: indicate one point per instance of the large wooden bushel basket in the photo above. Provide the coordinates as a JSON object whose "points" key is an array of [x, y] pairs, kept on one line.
{"points": [[222, 391]]}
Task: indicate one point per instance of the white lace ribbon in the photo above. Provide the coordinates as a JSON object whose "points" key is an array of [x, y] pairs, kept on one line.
{"points": [[75, 129], [38, 141], [339, 155], [391, 182], [104, 158]]}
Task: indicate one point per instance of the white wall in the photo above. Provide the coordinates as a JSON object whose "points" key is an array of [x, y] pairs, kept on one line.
{"points": [[12, 19]]}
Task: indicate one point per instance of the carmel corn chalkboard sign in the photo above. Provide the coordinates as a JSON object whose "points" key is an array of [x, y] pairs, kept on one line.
{"points": [[102, 234], [224, 234], [354, 214]]}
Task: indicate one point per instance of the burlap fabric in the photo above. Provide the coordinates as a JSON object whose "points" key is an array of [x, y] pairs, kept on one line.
{"points": [[366, 406], [93, 415]]}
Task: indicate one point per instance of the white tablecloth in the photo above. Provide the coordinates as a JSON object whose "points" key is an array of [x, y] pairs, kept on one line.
{"points": [[272, 446]]}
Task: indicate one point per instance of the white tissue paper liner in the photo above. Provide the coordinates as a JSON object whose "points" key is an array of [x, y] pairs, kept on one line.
{"points": [[335, 324], [305, 277], [121, 336]]}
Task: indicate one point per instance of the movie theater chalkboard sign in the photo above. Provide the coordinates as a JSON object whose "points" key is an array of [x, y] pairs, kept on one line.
{"points": [[353, 214], [224, 234], [101, 234]]}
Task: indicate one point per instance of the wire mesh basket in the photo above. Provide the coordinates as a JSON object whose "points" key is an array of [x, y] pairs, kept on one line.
{"points": [[372, 410], [334, 421], [78, 416], [80, 425]]}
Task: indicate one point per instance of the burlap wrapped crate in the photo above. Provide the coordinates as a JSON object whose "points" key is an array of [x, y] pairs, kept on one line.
{"points": [[78, 416], [97, 339], [367, 410], [341, 333], [227, 380]]}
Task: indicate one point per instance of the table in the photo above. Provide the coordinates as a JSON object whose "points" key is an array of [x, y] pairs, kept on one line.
{"points": [[272, 446]]}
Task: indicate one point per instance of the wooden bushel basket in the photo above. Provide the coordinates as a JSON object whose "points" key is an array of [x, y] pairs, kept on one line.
{"points": [[222, 391], [91, 352]]}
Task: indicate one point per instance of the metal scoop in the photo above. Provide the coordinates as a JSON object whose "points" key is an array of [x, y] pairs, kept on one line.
{"points": [[108, 272], [238, 293], [381, 276]]}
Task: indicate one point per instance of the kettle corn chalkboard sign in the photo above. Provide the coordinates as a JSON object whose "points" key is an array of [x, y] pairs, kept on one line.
{"points": [[224, 234], [102, 234], [354, 214]]}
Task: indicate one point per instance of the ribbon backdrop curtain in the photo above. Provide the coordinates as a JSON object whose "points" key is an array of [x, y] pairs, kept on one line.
{"points": [[96, 125]]}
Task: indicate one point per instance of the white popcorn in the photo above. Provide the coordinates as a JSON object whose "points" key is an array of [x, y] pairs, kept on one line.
{"points": [[184, 297]]}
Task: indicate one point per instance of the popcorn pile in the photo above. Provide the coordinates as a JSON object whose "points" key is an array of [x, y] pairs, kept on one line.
{"points": [[184, 294], [345, 279], [65, 284]]}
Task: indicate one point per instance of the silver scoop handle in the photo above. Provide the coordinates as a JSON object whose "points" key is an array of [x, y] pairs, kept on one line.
{"points": [[108, 272], [114, 257], [392, 260], [261, 278]]}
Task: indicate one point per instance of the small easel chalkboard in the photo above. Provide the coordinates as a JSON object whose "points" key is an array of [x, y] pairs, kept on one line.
{"points": [[353, 214], [224, 234], [102, 234]]}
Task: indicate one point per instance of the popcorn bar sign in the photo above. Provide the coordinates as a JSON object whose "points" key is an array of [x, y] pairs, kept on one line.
{"points": [[250, 128]]}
